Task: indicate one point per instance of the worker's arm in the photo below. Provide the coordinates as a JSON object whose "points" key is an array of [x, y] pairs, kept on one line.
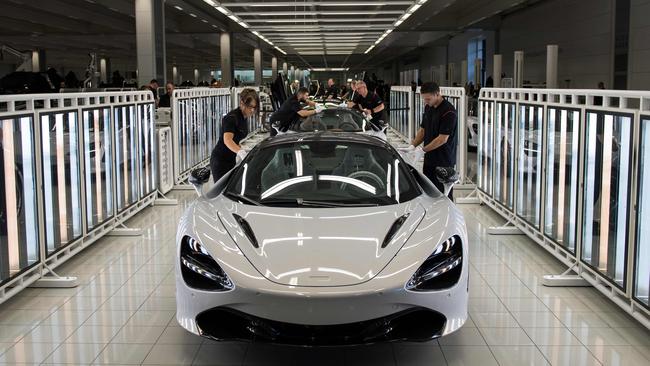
{"points": [[230, 143], [436, 143], [311, 103], [419, 137], [379, 108], [306, 112]]}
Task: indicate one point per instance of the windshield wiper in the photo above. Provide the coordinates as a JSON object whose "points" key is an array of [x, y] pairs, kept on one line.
{"points": [[239, 197]]}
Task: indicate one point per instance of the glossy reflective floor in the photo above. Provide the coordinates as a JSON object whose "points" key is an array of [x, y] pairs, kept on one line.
{"points": [[123, 312]]}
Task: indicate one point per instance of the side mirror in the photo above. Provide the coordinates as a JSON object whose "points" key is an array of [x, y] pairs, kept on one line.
{"points": [[198, 177], [448, 177]]}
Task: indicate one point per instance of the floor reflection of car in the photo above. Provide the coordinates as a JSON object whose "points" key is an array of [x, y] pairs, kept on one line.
{"points": [[322, 239]]}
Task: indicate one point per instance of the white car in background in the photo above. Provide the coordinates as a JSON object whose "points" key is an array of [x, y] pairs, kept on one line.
{"points": [[322, 239]]}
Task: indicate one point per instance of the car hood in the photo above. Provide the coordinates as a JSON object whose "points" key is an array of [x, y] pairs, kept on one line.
{"points": [[319, 246]]}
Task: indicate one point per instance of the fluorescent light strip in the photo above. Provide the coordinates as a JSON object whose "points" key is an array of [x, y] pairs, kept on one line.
{"points": [[239, 21], [317, 20], [311, 13], [316, 3]]}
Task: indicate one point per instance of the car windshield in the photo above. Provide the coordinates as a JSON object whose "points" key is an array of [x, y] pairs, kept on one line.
{"points": [[323, 174], [335, 119]]}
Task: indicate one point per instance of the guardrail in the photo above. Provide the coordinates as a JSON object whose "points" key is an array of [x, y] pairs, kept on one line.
{"points": [[566, 167], [196, 123], [75, 166], [400, 113]]}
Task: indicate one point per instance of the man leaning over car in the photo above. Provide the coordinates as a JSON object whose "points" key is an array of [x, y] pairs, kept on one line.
{"points": [[292, 110]]}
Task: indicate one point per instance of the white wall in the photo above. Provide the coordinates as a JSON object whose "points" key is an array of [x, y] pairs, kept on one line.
{"points": [[639, 56], [583, 31]]}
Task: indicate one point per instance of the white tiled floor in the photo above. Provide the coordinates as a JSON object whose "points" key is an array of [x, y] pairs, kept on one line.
{"points": [[123, 313]]}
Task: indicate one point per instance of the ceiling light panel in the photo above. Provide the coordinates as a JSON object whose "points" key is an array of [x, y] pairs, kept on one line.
{"points": [[310, 27]]}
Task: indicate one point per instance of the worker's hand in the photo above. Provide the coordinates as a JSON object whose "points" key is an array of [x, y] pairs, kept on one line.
{"points": [[410, 148], [319, 108], [367, 111], [241, 155], [417, 154]]}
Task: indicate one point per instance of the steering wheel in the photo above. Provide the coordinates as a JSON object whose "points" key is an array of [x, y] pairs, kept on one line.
{"points": [[350, 126], [365, 174]]}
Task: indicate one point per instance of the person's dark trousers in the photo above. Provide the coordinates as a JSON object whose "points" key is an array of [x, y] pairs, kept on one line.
{"points": [[219, 165], [429, 172]]}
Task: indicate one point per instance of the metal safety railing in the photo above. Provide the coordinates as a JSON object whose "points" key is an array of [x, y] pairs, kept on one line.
{"points": [[400, 113], [196, 124], [567, 167], [75, 166]]}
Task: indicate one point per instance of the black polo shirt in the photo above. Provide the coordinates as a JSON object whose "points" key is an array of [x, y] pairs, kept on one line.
{"points": [[442, 120], [232, 122], [332, 91], [288, 112], [372, 101]]}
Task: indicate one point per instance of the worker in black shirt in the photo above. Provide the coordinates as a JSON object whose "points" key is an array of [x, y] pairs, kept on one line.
{"points": [[332, 90], [166, 100], [370, 104], [292, 110], [438, 132], [234, 128]]}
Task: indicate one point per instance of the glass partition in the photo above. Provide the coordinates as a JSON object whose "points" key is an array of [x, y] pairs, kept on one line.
{"points": [[561, 183], [607, 172], [61, 178], [504, 183], [485, 146], [126, 156], [148, 156], [529, 163], [98, 155], [642, 266], [19, 242]]}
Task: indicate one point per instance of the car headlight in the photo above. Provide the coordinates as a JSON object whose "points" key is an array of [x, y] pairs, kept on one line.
{"points": [[200, 270], [441, 270]]}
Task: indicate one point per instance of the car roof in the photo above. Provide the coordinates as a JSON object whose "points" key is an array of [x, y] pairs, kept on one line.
{"points": [[323, 136]]}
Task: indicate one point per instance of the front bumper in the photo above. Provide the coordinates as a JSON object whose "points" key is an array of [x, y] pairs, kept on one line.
{"points": [[321, 310], [415, 324]]}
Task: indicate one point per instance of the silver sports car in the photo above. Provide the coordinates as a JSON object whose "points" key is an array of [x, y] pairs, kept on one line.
{"points": [[322, 239]]}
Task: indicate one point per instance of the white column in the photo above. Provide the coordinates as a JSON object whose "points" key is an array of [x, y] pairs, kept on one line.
{"points": [[197, 75], [150, 40], [285, 70], [175, 76], [451, 72], [518, 73], [38, 61], [443, 75], [257, 62], [227, 73], [104, 69], [274, 68], [496, 74], [477, 71], [463, 72], [292, 74], [551, 66]]}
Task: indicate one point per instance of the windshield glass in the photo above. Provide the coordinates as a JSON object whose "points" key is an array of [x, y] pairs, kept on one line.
{"points": [[336, 119], [323, 173]]}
